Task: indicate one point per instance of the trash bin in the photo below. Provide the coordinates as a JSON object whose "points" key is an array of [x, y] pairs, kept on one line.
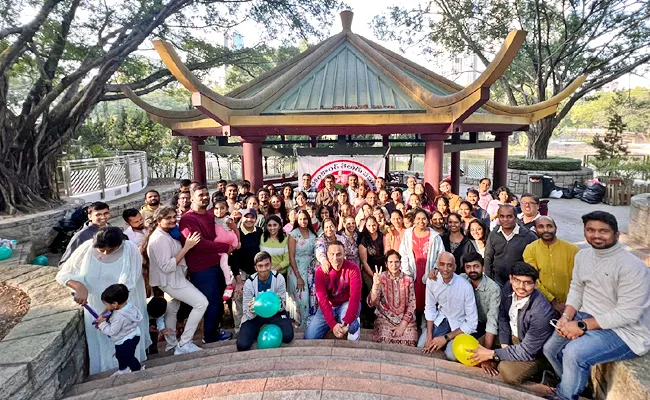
{"points": [[535, 184], [547, 185]]}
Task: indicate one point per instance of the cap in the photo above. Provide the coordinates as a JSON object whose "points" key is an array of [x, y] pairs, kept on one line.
{"points": [[246, 211]]}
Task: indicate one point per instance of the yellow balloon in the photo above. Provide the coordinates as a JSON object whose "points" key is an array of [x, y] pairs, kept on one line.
{"points": [[461, 344]]}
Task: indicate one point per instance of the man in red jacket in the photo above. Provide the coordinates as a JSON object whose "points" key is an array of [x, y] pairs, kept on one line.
{"points": [[203, 262], [339, 297]]}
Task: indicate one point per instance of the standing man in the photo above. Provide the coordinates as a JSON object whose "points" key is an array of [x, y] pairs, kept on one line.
{"points": [[553, 258], [184, 184], [529, 211], [98, 216], [505, 245], [221, 186], [308, 188], [231, 197], [607, 313], [184, 203], [380, 182], [339, 297], [484, 193], [450, 308], [353, 185], [135, 230], [263, 280], [410, 188], [151, 203], [203, 262], [524, 327], [327, 196]]}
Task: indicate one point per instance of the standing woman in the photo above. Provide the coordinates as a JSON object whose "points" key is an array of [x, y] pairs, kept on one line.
{"points": [[342, 200], [276, 207], [477, 234], [350, 239], [504, 196], [454, 239], [438, 223], [167, 270], [275, 242], [302, 242], [454, 199], [95, 265], [360, 200], [414, 202], [393, 238], [362, 216], [442, 206], [287, 196], [301, 201], [425, 202], [271, 189], [465, 211], [345, 211], [420, 248], [371, 255], [253, 204]]}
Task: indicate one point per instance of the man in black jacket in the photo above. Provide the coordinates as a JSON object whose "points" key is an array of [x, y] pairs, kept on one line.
{"points": [[524, 327], [505, 245]]}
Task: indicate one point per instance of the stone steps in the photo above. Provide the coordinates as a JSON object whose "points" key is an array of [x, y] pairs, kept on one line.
{"points": [[306, 368]]}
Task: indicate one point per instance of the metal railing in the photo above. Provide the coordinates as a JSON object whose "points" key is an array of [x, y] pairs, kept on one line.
{"points": [[105, 178]]}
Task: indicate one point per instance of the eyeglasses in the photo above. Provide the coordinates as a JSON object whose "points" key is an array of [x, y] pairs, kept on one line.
{"points": [[528, 203], [518, 282]]}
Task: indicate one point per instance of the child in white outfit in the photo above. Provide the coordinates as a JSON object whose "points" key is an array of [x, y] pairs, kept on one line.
{"points": [[228, 233], [121, 326]]}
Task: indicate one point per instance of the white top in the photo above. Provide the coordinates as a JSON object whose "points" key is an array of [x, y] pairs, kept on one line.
{"points": [[135, 237], [511, 235], [454, 301], [163, 270], [513, 313]]}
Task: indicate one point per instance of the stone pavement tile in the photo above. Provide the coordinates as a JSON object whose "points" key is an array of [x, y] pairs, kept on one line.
{"points": [[120, 391], [180, 377], [356, 366], [408, 371], [354, 374], [410, 391], [308, 382], [190, 393], [462, 382], [235, 387], [458, 367], [306, 351], [313, 343], [300, 363], [352, 384], [512, 394], [243, 367], [423, 360], [358, 354], [293, 395], [89, 386], [197, 362], [448, 395], [342, 395], [254, 354], [359, 344], [243, 396], [83, 396]]}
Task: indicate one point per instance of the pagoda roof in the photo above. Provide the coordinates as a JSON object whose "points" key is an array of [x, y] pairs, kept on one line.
{"points": [[348, 84]]}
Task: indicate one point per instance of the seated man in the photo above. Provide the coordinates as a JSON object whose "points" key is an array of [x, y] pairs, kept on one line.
{"points": [[611, 289], [449, 310], [529, 211], [262, 281], [553, 258], [524, 326], [339, 297]]}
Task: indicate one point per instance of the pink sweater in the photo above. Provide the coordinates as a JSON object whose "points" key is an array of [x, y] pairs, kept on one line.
{"points": [[337, 287], [224, 236]]}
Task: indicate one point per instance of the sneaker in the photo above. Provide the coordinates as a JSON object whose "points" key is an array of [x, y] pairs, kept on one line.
{"points": [[122, 371], [227, 294], [171, 346], [186, 348], [354, 333]]}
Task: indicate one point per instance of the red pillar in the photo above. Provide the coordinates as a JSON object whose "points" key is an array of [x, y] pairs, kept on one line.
{"points": [[455, 166], [252, 160], [433, 152], [198, 160], [500, 168]]}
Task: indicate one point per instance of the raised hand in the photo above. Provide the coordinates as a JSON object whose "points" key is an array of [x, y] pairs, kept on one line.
{"points": [[433, 274], [192, 240], [376, 277]]}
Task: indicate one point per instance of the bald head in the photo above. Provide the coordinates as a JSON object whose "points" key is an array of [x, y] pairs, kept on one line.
{"points": [[546, 229], [446, 265], [545, 220], [446, 257]]}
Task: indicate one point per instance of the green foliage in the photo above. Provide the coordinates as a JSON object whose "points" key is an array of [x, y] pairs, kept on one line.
{"points": [[611, 145], [262, 59], [623, 167], [549, 164]]}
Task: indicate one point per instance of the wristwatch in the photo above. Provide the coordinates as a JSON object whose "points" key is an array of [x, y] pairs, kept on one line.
{"points": [[447, 338], [496, 358], [582, 325]]}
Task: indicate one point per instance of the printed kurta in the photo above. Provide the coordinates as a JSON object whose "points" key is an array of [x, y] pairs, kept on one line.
{"points": [[395, 303]]}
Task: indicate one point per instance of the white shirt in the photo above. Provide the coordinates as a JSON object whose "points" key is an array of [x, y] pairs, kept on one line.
{"points": [[512, 234], [135, 237], [513, 313], [454, 301], [352, 194]]}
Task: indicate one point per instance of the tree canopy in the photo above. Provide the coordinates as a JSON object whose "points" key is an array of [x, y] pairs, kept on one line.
{"points": [[604, 39], [72, 54]]}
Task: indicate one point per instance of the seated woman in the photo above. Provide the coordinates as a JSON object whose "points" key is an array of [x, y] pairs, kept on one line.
{"points": [[393, 297]]}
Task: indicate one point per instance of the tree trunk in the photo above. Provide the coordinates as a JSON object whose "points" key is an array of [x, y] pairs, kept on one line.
{"points": [[539, 137]]}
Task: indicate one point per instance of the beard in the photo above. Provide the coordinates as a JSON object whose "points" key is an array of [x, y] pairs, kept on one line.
{"points": [[154, 202], [139, 228]]}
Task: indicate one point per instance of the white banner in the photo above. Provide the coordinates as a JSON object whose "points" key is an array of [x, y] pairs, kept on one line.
{"points": [[366, 168]]}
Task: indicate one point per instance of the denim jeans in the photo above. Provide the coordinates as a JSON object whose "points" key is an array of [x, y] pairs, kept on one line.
{"points": [[317, 327], [210, 282], [573, 359], [439, 330]]}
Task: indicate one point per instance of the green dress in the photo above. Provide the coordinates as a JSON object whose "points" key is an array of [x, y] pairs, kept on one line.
{"points": [[298, 303]]}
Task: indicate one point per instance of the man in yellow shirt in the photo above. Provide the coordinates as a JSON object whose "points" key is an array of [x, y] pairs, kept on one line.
{"points": [[553, 258]]}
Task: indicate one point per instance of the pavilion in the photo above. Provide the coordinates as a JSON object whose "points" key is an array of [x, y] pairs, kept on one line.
{"points": [[348, 85]]}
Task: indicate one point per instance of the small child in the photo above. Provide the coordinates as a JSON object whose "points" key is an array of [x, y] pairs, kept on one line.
{"points": [[121, 326], [156, 307], [228, 233]]}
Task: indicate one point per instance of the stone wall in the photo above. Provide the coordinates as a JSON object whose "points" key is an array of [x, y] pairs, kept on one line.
{"points": [[623, 380], [518, 179], [639, 226], [37, 228]]}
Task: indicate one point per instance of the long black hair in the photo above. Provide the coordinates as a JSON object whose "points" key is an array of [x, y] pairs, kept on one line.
{"points": [[280, 230]]}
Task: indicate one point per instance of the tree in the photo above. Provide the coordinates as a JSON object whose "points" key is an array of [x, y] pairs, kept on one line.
{"points": [[71, 55], [611, 145], [602, 38]]}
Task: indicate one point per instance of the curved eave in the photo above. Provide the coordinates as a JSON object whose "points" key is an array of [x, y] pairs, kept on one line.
{"points": [[159, 114]]}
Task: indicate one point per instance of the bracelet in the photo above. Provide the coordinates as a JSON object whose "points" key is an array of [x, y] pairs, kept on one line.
{"points": [[567, 315]]}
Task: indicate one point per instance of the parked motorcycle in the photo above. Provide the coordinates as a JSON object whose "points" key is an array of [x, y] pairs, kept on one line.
{"points": [[73, 220]]}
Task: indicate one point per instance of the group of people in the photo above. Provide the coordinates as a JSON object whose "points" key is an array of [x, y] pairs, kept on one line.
{"points": [[419, 272]]}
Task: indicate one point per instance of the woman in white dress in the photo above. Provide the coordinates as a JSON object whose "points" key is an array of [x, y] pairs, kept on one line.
{"points": [[95, 265]]}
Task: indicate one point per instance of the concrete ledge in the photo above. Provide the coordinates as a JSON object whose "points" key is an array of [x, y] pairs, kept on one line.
{"points": [[45, 353], [517, 179]]}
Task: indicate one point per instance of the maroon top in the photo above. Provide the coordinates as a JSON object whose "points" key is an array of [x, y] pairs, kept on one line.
{"points": [[421, 253], [337, 287], [205, 254]]}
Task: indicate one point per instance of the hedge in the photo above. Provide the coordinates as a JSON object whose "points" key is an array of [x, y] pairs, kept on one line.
{"points": [[550, 164]]}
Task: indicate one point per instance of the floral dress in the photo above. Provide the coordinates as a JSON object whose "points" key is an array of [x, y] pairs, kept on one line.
{"points": [[298, 302], [395, 304]]}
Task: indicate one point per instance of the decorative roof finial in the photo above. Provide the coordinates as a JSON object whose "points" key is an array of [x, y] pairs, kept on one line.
{"points": [[346, 20]]}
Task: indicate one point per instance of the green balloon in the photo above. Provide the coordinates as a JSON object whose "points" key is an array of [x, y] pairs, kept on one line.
{"points": [[270, 337], [5, 252], [266, 304], [40, 260]]}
